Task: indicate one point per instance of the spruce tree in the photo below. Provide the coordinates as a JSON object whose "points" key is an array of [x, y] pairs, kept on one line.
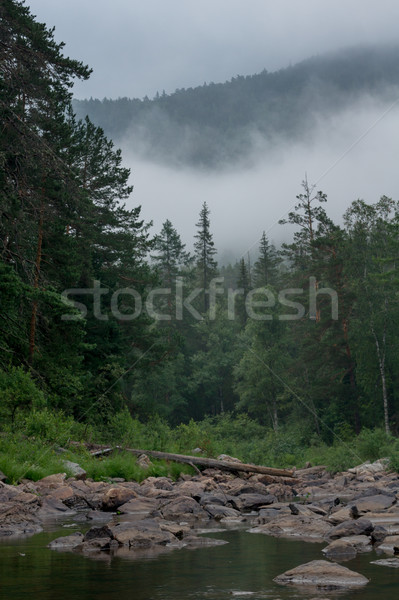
{"points": [[205, 251], [266, 266]]}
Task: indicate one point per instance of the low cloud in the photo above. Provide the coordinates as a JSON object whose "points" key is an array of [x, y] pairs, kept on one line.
{"points": [[350, 155]]}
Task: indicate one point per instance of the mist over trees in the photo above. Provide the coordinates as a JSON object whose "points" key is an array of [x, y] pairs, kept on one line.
{"points": [[217, 125], [98, 318]]}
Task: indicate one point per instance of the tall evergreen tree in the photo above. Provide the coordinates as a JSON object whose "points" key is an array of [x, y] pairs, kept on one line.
{"points": [[205, 251], [266, 266]]}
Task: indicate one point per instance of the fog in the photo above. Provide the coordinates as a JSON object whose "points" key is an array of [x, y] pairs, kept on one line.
{"points": [[137, 48], [351, 155]]}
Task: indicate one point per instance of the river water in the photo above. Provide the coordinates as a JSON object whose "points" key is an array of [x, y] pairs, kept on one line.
{"points": [[243, 568]]}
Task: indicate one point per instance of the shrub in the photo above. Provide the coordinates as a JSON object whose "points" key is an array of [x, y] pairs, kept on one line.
{"points": [[18, 392]]}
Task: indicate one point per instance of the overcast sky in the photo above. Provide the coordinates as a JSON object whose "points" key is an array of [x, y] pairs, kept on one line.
{"points": [[139, 47]]}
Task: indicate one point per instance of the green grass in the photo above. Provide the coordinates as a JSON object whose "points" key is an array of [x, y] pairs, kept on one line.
{"points": [[27, 458], [28, 450]]}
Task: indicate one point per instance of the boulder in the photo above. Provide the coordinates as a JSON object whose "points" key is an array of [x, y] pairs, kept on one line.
{"points": [[182, 509], [115, 497], [75, 469], [98, 532], [144, 462], [196, 488], [160, 483], [377, 503], [379, 534], [350, 528], [340, 516], [176, 529], [209, 498], [322, 574], [269, 514], [66, 543], [390, 545], [17, 519], [52, 507], [339, 550], [361, 543], [252, 501], [141, 534], [312, 530], [368, 468], [139, 507], [51, 482], [218, 512]]}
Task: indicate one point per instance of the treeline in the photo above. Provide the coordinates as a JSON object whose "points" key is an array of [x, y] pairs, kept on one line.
{"points": [[97, 318], [215, 125]]}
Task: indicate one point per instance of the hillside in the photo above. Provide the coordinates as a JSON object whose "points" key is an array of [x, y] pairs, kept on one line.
{"points": [[222, 123]]}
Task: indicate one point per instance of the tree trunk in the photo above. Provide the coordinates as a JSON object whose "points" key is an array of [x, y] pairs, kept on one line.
{"points": [[209, 463], [381, 366], [32, 331]]}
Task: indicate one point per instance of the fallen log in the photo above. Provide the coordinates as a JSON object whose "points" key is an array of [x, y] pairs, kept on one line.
{"points": [[212, 463]]}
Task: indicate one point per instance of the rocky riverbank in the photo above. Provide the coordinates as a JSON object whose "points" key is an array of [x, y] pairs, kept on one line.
{"points": [[352, 512]]}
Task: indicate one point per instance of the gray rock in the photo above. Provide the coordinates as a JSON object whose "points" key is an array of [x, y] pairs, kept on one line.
{"points": [[182, 509], [350, 528], [144, 462], [141, 534], [17, 519], [390, 545], [361, 543], [339, 550], [219, 512], [252, 501], [198, 542], [75, 469], [228, 458], [66, 543], [377, 503], [322, 574], [387, 562], [379, 534], [115, 497], [314, 530], [98, 532]]}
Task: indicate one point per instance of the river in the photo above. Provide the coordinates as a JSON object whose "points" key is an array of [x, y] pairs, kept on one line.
{"points": [[243, 568]]}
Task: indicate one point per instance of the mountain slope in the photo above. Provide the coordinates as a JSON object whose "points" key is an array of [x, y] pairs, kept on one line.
{"points": [[222, 123]]}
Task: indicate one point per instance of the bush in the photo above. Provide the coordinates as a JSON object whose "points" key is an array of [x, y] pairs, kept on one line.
{"points": [[18, 392], [53, 427]]}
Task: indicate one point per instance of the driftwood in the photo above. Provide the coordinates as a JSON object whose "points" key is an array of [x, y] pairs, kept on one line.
{"points": [[208, 463]]}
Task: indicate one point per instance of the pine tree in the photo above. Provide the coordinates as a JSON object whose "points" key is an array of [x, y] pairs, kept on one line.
{"points": [[171, 257], [205, 250], [266, 266]]}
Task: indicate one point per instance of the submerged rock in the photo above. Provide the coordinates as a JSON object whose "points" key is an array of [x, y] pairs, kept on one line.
{"points": [[322, 574], [387, 562], [66, 543], [339, 550]]}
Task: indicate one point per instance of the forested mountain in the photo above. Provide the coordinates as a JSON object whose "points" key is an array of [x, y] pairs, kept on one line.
{"points": [[104, 323], [216, 124]]}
